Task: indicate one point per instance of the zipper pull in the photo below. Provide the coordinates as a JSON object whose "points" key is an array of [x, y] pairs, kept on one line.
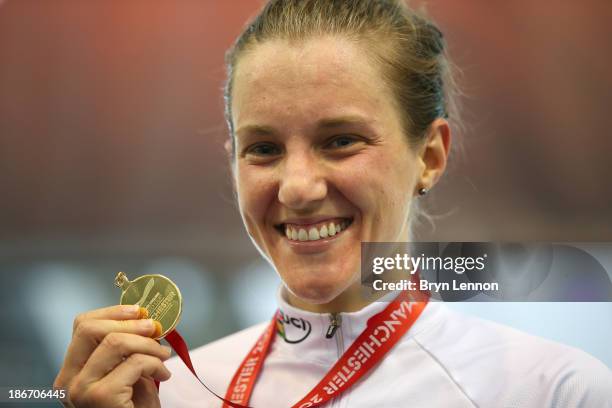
{"points": [[336, 321]]}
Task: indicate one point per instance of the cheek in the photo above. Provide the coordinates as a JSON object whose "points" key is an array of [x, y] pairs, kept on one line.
{"points": [[255, 190], [380, 185], [399, 191], [379, 180]]}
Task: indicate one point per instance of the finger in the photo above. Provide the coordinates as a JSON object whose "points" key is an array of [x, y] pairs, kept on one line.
{"points": [[145, 393], [134, 367], [90, 333], [117, 312], [114, 349]]}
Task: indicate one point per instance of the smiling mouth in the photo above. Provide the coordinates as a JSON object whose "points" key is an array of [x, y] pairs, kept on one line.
{"points": [[314, 232]]}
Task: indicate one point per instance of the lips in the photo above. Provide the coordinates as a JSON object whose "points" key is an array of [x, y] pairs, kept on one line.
{"points": [[301, 232]]}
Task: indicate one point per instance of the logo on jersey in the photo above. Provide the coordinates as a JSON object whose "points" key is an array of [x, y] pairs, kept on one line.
{"points": [[292, 329]]}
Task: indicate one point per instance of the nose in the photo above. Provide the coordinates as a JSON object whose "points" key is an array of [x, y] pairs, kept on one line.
{"points": [[302, 183]]}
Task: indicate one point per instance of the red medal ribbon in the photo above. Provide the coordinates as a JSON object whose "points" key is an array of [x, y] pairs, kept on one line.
{"points": [[180, 347], [382, 332]]}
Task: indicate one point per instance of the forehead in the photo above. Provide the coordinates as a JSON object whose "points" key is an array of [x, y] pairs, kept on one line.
{"points": [[312, 78]]}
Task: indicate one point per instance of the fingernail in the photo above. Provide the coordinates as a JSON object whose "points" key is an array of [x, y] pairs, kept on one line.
{"points": [[146, 324], [130, 309], [158, 329], [167, 350], [143, 313]]}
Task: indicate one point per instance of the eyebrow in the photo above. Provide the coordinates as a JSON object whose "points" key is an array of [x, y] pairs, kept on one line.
{"points": [[260, 130], [330, 123], [325, 123]]}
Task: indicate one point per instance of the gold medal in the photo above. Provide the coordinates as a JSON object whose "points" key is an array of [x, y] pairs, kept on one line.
{"points": [[156, 293]]}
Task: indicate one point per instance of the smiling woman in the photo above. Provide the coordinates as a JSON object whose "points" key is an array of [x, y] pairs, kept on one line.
{"points": [[336, 157], [339, 115]]}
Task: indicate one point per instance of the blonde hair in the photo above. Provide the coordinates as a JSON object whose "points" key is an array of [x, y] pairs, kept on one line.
{"points": [[409, 48]]}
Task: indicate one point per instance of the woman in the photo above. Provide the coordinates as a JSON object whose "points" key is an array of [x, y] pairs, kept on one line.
{"points": [[339, 120]]}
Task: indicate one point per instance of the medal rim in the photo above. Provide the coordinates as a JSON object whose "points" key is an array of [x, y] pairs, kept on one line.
{"points": [[180, 296]]}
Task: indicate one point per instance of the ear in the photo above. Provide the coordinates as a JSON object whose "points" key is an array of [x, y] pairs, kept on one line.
{"points": [[229, 148], [434, 153]]}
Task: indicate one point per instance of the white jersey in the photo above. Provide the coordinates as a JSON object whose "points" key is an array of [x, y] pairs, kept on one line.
{"points": [[445, 360]]}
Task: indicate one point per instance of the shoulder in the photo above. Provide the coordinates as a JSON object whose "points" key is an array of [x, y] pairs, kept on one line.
{"points": [[215, 364], [492, 363]]}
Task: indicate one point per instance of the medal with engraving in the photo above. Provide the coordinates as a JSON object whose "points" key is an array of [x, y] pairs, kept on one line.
{"points": [[156, 293]]}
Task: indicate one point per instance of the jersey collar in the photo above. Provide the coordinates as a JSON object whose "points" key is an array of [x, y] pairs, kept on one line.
{"points": [[306, 334]]}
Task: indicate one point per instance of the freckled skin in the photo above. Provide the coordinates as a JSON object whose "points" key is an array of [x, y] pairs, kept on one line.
{"points": [[288, 87]]}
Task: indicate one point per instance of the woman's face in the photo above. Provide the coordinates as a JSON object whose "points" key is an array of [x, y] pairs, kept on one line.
{"points": [[322, 162]]}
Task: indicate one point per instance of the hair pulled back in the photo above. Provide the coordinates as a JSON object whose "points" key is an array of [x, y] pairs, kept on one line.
{"points": [[409, 48]]}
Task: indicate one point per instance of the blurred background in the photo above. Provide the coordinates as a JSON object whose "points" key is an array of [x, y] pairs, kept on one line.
{"points": [[111, 158]]}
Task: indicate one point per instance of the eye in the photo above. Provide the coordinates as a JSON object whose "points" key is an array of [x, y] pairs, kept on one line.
{"points": [[261, 153], [262, 149], [342, 141]]}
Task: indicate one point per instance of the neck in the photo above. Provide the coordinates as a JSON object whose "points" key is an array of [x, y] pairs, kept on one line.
{"points": [[351, 300]]}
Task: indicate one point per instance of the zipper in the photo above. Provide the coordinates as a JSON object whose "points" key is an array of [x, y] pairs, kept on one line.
{"points": [[335, 328], [335, 320]]}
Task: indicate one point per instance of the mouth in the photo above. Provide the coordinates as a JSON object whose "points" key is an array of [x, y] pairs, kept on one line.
{"points": [[327, 229]]}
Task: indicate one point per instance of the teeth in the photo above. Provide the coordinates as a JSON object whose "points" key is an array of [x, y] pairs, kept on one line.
{"points": [[302, 235], [332, 229], [313, 234]]}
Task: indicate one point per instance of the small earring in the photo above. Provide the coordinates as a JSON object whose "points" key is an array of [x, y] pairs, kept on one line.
{"points": [[423, 191]]}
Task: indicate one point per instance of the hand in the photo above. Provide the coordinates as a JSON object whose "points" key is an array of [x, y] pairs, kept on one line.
{"points": [[112, 361]]}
